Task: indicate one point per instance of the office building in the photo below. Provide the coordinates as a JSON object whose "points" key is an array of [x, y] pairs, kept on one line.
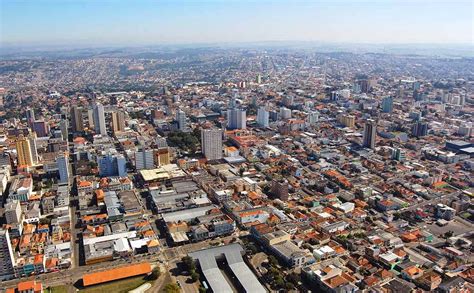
{"points": [[263, 117], [23, 152], [144, 159], [99, 119], [181, 121], [77, 122], [63, 167], [211, 141], [370, 132], [387, 104], [118, 122], [237, 118], [7, 259]]}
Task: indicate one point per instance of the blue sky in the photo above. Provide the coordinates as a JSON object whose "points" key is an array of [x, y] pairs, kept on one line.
{"points": [[140, 22]]}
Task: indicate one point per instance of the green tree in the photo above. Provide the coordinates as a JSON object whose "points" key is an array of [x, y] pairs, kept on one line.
{"points": [[171, 288], [189, 263], [194, 276], [272, 261], [155, 274]]}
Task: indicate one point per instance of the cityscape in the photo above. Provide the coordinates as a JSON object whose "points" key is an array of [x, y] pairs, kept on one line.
{"points": [[245, 167]]}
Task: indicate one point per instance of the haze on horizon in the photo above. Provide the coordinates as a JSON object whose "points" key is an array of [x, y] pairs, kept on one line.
{"points": [[146, 22]]}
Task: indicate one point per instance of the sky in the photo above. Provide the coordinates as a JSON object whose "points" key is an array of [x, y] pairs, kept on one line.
{"points": [[147, 22]]}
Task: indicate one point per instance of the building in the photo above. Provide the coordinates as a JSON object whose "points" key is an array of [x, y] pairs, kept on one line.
{"points": [[263, 117], [41, 128], [387, 104], [236, 118], [181, 121], [33, 147], [285, 113], [370, 131], [63, 126], [279, 189], [116, 274], [398, 154], [112, 165], [77, 121], [346, 120], [162, 156], [211, 142], [30, 116], [13, 212], [32, 286], [6, 257], [118, 122], [23, 152], [312, 118], [99, 119], [63, 167], [144, 159], [420, 129], [245, 280]]}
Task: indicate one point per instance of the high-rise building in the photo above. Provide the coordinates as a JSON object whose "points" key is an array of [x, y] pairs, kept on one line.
{"points": [[63, 126], [76, 119], [7, 259], [162, 156], [420, 129], [30, 116], [112, 164], [23, 152], [237, 118], [285, 113], [181, 121], [211, 142], [118, 122], [263, 117], [370, 132], [41, 128], [63, 167], [34, 149], [144, 159], [99, 119], [387, 104], [346, 120], [279, 189], [13, 212], [398, 154], [312, 118]]}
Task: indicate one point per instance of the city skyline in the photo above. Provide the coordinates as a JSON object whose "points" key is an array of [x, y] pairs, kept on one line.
{"points": [[115, 22]]}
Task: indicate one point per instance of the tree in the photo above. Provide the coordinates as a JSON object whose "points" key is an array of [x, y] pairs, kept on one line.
{"points": [[202, 289], [189, 263], [279, 282], [194, 276], [171, 288], [272, 261], [155, 274]]}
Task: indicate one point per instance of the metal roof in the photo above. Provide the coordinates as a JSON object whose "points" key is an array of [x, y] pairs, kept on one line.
{"points": [[233, 255]]}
